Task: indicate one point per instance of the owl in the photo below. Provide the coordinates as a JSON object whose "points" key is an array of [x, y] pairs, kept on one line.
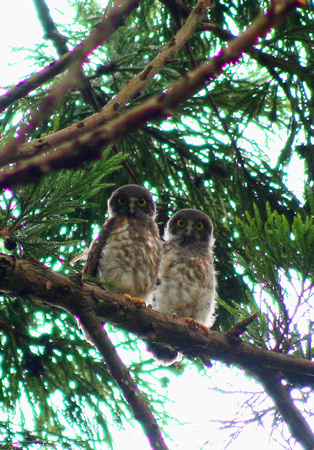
{"points": [[187, 286], [127, 254]]}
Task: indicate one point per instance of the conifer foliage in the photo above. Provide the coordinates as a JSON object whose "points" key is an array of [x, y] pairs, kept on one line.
{"points": [[210, 106]]}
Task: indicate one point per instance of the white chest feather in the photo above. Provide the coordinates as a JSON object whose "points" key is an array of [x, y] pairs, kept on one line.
{"points": [[187, 286], [129, 261]]}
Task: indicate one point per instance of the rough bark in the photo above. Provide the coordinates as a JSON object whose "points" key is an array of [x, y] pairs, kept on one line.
{"points": [[86, 140], [93, 304], [27, 277]]}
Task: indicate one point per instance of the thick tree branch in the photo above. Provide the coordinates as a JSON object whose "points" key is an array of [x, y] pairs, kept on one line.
{"points": [[93, 304], [131, 392], [89, 146], [113, 20], [104, 30], [300, 430], [25, 277], [132, 91]]}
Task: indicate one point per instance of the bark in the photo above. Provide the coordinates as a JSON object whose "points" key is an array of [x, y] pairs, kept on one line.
{"points": [[113, 108], [300, 430], [86, 140], [122, 377], [93, 304], [27, 277]]}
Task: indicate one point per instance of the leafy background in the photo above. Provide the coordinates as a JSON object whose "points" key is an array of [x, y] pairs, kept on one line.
{"points": [[231, 150]]}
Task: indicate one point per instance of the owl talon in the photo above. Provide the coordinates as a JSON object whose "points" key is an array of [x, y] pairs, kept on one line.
{"points": [[137, 301], [196, 325]]}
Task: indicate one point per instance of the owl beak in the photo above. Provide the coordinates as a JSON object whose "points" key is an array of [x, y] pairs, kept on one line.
{"points": [[132, 208], [188, 231]]}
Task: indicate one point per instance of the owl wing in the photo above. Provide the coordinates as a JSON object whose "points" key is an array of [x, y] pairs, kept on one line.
{"points": [[92, 254]]}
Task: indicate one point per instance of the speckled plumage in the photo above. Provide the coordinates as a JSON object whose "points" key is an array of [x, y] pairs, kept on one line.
{"points": [[129, 261], [187, 275], [127, 254]]}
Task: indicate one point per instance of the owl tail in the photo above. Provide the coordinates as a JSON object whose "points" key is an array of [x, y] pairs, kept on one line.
{"points": [[164, 353]]}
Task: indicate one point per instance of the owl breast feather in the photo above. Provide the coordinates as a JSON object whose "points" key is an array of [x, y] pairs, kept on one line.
{"points": [[128, 261]]}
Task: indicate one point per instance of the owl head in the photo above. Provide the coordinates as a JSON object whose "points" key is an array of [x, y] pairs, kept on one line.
{"points": [[190, 226], [132, 201]]}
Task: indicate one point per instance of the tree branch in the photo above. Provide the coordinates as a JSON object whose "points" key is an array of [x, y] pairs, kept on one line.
{"points": [[89, 145], [59, 42], [49, 27], [113, 20], [113, 108], [93, 304], [104, 30], [27, 277], [92, 326], [264, 59], [131, 392], [300, 430]]}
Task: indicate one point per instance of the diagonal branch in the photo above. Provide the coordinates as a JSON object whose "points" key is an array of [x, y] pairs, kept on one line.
{"points": [[300, 430], [132, 91], [131, 392], [89, 145], [49, 27], [104, 30], [113, 20], [59, 42], [91, 325], [108, 25]]}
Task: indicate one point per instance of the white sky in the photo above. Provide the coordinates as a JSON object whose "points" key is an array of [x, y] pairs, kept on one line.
{"points": [[196, 403], [18, 28]]}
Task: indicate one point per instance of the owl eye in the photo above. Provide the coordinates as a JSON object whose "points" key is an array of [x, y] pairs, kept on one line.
{"points": [[122, 201], [141, 202], [199, 226], [180, 223]]}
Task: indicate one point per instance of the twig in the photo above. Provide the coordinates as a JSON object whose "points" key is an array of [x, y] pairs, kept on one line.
{"points": [[113, 20], [133, 89], [300, 430], [240, 327], [90, 145], [59, 42]]}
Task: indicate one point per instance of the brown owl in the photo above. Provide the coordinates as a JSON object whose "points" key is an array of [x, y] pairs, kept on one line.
{"points": [[187, 286], [127, 254]]}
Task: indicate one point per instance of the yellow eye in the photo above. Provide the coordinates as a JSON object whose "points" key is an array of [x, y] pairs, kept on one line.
{"points": [[180, 223], [122, 201], [141, 202], [199, 226]]}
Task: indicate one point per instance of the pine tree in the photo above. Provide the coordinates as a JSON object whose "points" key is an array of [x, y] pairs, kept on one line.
{"points": [[164, 95]]}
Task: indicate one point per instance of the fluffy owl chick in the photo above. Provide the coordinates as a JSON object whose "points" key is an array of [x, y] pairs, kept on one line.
{"points": [[127, 254], [187, 274]]}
